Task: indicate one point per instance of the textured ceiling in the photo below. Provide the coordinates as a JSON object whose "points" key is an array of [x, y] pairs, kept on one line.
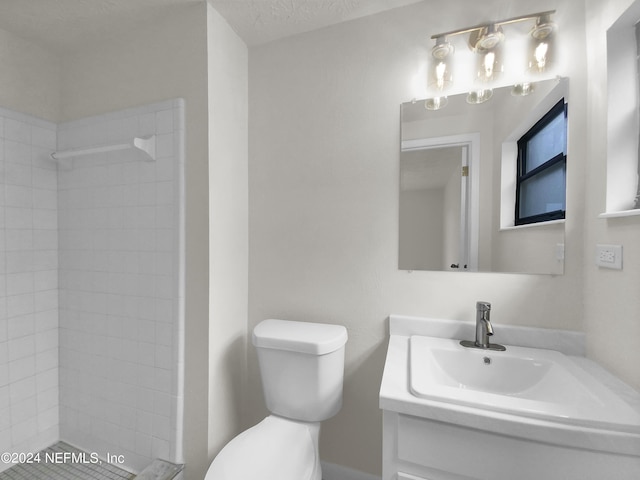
{"points": [[260, 21], [67, 25]]}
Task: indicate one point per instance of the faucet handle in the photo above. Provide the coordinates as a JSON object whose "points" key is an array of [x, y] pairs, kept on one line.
{"points": [[483, 306]]}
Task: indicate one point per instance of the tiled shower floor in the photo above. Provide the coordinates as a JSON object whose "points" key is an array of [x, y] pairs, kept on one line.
{"points": [[64, 470]]}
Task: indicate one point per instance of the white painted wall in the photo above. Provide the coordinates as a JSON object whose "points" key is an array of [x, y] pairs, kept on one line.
{"points": [[228, 228], [323, 204], [30, 77], [611, 300]]}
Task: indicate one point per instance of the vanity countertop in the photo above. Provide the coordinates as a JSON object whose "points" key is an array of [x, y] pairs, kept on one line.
{"points": [[395, 394]]}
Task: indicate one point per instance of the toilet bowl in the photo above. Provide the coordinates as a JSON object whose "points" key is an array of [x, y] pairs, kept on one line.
{"points": [[275, 448], [302, 370]]}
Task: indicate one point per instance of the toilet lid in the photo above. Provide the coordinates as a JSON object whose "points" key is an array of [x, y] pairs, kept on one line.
{"points": [[275, 448]]}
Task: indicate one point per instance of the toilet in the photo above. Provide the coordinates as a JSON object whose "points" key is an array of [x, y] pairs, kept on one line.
{"points": [[302, 370]]}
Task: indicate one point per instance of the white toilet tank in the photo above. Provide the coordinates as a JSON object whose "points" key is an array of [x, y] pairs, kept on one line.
{"points": [[302, 368]]}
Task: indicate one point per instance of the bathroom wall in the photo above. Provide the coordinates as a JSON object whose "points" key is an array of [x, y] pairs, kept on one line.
{"points": [[165, 60], [121, 290], [228, 228], [612, 303], [30, 77], [28, 284], [323, 197]]}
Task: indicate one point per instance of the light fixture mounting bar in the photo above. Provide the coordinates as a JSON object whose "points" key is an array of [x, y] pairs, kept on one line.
{"points": [[507, 21]]}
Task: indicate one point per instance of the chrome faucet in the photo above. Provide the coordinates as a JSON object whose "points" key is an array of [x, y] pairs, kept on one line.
{"points": [[484, 329]]}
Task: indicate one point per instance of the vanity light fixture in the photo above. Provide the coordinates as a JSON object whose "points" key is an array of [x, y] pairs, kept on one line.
{"points": [[487, 42], [522, 89]]}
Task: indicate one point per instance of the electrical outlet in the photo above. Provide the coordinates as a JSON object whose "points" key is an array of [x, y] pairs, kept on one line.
{"points": [[606, 255], [609, 256]]}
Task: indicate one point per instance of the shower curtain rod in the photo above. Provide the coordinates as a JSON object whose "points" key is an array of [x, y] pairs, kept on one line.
{"points": [[145, 144]]}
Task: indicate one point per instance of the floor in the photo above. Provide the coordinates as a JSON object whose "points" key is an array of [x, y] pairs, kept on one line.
{"points": [[64, 462]]}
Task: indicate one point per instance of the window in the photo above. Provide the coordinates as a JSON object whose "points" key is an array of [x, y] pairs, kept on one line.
{"points": [[622, 105], [542, 168]]}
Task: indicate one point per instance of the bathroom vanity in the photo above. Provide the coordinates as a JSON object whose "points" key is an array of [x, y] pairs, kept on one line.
{"points": [[539, 410]]}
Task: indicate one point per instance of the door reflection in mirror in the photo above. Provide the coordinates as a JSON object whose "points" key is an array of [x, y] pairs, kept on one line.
{"points": [[435, 201]]}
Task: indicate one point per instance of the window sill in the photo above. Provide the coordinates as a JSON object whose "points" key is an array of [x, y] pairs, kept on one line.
{"points": [[621, 213], [532, 225]]}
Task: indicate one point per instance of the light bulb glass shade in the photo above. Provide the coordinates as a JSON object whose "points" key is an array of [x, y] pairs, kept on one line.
{"points": [[489, 64], [440, 77], [541, 49], [435, 103], [477, 97]]}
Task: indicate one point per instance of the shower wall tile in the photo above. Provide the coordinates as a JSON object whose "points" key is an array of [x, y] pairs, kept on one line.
{"points": [[28, 283], [120, 309], [95, 242]]}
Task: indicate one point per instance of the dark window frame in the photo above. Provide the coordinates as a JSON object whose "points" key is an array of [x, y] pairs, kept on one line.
{"points": [[561, 158]]}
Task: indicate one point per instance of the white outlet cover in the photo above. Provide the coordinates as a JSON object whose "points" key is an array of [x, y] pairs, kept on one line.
{"points": [[609, 256]]}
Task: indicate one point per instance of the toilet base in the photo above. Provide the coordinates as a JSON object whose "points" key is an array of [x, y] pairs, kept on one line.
{"points": [[314, 430], [276, 447]]}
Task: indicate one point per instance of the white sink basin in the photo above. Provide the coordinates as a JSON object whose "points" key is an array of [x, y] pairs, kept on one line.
{"points": [[525, 381]]}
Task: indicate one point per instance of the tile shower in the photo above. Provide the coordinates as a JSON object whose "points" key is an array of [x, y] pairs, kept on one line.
{"points": [[91, 285]]}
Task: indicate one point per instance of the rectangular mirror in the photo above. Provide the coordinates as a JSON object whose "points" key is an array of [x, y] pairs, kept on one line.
{"points": [[462, 174]]}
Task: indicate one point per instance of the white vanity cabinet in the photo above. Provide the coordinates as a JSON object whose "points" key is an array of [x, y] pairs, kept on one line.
{"points": [[421, 449]]}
